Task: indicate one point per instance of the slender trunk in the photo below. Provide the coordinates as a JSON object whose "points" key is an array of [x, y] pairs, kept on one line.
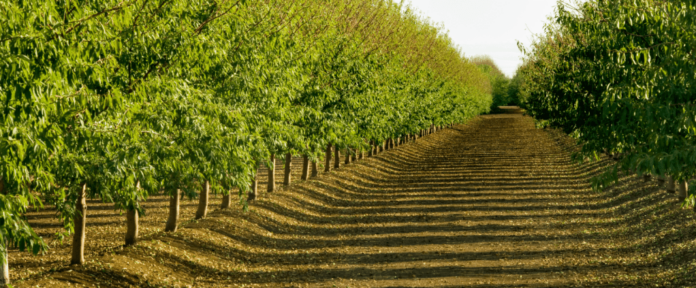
{"points": [[226, 200], [661, 180], [670, 185], [372, 149], [271, 175], [5, 280], [254, 189], [173, 221], [315, 169], [361, 156], [348, 156], [337, 156], [288, 169], [683, 190], [80, 220], [203, 201], [132, 224], [647, 177], [5, 277], [327, 166], [305, 168]]}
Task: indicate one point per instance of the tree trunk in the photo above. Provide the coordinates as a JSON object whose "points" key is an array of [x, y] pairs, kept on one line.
{"points": [[683, 190], [305, 168], [288, 170], [327, 166], [226, 200], [361, 156], [647, 177], [132, 223], [271, 175], [254, 189], [5, 277], [315, 169], [203, 201], [173, 221], [80, 220], [348, 156], [372, 149], [670, 185], [661, 180], [337, 156]]}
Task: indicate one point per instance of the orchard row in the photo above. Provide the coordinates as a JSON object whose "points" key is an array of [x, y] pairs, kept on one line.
{"points": [[122, 99], [620, 76]]}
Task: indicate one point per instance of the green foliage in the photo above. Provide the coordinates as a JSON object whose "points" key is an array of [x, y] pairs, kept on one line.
{"points": [[168, 94], [500, 83], [620, 75]]}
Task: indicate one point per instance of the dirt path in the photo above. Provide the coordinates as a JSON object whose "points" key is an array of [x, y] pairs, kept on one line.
{"points": [[494, 203]]}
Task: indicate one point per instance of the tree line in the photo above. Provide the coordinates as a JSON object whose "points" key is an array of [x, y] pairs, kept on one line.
{"points": [[619, 76], [122, 99]]}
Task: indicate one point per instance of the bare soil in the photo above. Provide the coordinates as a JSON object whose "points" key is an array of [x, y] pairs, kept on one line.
{"points": [[494, 203]]}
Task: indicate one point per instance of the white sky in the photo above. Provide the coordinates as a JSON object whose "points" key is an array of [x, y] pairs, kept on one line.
{"points": [[490, 27]]}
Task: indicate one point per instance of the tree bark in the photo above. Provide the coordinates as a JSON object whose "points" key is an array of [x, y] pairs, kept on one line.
{"points": [[361, 156], [133, 227], [337, 158], [327, 158], [173, 221], [203, 201], [80, 220], [683, 190], [132, 224], [226, 200], [288, 170], [348, 156], [315, 169], [305, 168], [372, 149], [670, 185], [647, 177], [254, 189], [5, 277], [271, 175]]}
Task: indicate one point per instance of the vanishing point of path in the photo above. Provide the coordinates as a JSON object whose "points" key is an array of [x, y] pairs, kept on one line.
{"points": [[493, 203], [469, 206]]}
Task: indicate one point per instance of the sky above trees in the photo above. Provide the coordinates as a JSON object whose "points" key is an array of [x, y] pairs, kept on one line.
{"points": [[490, 27]]}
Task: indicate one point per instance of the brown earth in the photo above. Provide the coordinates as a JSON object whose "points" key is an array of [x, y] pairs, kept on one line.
{"points": [[494, 203]]}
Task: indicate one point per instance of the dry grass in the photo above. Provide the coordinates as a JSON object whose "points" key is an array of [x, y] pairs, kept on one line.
{"points": [[489, 204]]}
